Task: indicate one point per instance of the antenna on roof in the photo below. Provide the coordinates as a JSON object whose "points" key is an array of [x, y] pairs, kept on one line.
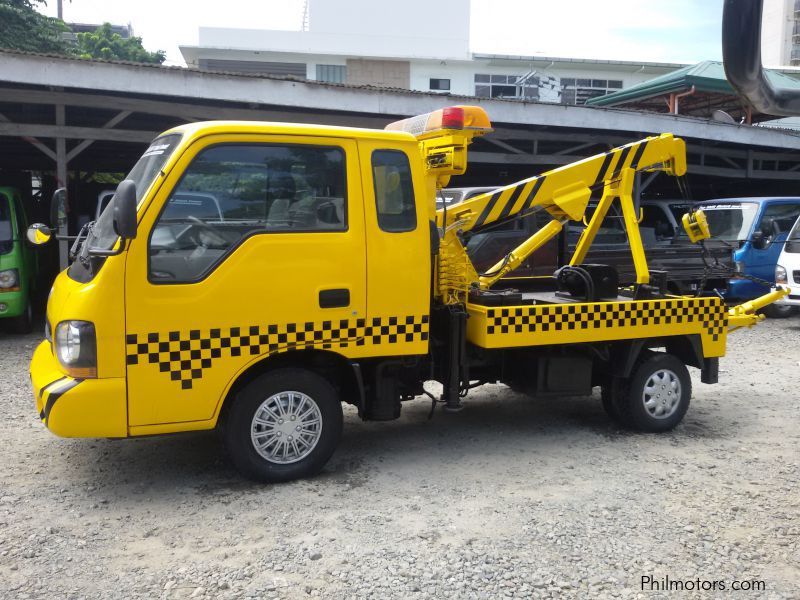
{"points": [[305, 16]]}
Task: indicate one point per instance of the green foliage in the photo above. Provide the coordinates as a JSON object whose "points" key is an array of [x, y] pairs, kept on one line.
{"points": [[22, 27], [103, 43]]}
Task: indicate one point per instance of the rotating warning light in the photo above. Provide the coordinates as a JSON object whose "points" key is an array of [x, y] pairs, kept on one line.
{"points": [[472, 118]]}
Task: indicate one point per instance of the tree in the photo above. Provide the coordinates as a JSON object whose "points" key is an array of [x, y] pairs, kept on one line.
{"points": [[103, 43], [22, 27]]}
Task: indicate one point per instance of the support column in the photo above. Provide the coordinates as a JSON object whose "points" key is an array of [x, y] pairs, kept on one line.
{"points": [[62, 181]]}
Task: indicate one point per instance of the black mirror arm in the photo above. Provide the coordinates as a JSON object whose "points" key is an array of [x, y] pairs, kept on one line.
{"points": [[741, 51], [100, 252]]}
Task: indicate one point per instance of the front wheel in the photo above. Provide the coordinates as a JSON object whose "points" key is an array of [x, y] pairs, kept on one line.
{"points": [[657, 395], [22, 323], [778, 311], [283, 425]]}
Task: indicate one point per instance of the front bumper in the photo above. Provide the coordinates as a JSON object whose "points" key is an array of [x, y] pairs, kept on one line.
{"points": [[792, 299], [72, 407], [740, 290], [15, 302]]}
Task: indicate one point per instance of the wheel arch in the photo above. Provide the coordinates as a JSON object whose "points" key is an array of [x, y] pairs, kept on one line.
{"points": [[687, 348], [339, 371]]}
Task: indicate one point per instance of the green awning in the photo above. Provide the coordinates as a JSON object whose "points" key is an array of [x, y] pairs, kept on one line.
{"points": [[707, 76]]}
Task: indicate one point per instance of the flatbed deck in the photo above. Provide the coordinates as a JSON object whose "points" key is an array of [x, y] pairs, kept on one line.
{"points": [[546, 319]]}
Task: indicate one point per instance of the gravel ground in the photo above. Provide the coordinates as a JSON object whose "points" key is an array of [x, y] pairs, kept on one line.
{"points": [[509, 498]]}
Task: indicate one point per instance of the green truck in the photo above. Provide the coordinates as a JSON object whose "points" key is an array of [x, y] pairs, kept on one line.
{"points": [[19, 264]]}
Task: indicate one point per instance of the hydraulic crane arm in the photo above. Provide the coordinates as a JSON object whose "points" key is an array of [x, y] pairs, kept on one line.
{"points": [[564, 193]]}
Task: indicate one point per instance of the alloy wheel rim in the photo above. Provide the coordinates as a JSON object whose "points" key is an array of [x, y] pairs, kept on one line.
{"points": [[286, 427], [662, 394]]}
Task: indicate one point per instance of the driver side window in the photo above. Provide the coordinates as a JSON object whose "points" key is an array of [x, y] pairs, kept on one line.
{"points": [[233, 191]]}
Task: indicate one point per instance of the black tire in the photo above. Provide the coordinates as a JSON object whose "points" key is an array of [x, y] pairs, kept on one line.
{"points": [[22, 323], [778, 311], [240, 419], [610, 397], [631, 405]]}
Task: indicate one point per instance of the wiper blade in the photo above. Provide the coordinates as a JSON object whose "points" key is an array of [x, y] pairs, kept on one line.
{"points": [[78, 243]]}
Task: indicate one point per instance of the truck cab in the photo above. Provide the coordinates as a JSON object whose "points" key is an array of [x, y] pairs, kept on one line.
{"points": [[249, 239], [787, 271], [18, 264], [756, 230]]}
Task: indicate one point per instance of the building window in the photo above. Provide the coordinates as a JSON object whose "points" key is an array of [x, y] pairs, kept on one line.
{"points": [[442, 85], [496, 86], [578, 91], [332, 73]]}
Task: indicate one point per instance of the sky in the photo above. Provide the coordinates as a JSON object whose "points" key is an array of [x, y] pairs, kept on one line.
{"points": [[675, 31]]}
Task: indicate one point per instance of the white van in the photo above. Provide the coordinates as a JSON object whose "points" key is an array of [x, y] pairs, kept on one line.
{"points": [[787, 271]]}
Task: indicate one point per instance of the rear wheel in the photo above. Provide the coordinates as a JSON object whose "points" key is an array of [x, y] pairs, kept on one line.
{"points": [[657, 395], [283, 425], [610, 396]]}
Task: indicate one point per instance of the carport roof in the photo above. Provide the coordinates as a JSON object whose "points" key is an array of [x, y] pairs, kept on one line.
{"points": [[145, 88]]}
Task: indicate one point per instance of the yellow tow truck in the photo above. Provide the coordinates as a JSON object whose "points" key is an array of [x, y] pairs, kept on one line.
{"points": [[251, 277]]}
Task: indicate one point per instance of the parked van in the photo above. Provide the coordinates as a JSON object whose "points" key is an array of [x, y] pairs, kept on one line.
{"points": [[787, 271], [18, 264], [756, 229]]}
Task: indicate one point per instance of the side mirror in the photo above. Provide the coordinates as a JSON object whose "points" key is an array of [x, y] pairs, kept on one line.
{"points": [[58, 211], [38, 234], [757, 240], [125, 210]]}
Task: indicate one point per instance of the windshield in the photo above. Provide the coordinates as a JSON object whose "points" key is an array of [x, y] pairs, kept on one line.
{"points": [[144, 172], [5, 226], [794, 235], [101, 235], [731, 222]]}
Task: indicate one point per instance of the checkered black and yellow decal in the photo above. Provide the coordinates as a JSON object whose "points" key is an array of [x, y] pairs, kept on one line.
{"points": [[543, 324], [183, 356]]}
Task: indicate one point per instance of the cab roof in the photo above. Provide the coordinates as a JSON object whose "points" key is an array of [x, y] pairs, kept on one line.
{"points": [[202, 128]]}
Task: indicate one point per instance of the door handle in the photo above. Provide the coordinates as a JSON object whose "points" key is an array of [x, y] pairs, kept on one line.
{"points": [[336, 298]]}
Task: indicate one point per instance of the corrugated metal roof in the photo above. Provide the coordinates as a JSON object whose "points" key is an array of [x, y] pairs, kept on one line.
{"points": [[239, 74], [707, 76]]}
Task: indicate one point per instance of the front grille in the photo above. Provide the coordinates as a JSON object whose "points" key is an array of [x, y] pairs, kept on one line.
{"points": [[796, 276]]}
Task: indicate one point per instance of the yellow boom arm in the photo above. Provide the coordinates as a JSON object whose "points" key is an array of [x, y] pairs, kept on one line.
{"points": [[564, 193]]}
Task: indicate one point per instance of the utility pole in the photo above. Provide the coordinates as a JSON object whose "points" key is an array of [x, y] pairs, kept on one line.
{"points": [[61, 9]]}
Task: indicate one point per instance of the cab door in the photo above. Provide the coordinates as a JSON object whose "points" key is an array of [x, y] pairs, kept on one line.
{"points": [[398, 249], [252, 244]]}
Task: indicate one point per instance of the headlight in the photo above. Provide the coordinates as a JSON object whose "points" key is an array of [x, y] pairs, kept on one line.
{"points": [[9, 279], [76, 348], [738, 267], [780, 275]]}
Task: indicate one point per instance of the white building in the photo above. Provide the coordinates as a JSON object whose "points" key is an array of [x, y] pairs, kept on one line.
{"points": [[359, 42], [780, 33]]}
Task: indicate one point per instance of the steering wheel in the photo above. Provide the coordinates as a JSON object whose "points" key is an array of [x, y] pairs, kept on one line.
{"points": [[210, 230]]}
